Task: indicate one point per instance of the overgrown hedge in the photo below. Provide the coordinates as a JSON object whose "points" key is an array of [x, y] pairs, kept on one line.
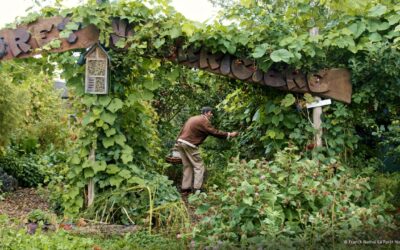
{"points": [[27, 170]]}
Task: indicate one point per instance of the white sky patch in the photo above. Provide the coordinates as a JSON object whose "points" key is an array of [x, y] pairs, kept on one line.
{"points": [[196, 10]]}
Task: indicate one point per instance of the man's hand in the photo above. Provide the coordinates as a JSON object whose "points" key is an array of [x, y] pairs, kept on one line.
{"points": [[233, 134]]}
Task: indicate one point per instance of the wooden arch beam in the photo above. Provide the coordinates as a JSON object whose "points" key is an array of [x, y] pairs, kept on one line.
{"points": [[29, 40]]}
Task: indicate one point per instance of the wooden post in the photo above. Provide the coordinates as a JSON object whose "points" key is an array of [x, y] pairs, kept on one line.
{"points": [[91, 186], [317, 122], [317, 111]]}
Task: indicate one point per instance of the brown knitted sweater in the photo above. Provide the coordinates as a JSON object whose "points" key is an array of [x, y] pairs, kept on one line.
{"points": [[197, 128]]}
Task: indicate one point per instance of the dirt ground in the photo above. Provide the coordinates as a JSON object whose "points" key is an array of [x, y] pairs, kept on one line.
{"points": [[18, 204]]}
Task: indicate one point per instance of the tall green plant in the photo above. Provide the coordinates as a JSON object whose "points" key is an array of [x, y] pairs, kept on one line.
{"points": [[12, 106], [290, 201]]}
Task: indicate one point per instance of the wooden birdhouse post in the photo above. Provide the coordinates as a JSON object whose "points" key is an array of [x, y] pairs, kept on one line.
{"points": [[97, 83], [97, 70]]}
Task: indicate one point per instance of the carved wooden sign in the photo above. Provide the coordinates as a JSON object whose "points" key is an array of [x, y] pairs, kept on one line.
{"points": [[25, 41], [330, 83]]}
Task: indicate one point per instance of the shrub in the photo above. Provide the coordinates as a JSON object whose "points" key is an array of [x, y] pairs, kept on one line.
{"points": [[12, 105], [38, 215], [293, 201], [389, 183], [26, 170]]}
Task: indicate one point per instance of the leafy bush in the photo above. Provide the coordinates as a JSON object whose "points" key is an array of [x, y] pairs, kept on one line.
{"points": [[388, 183], [27, 170], [12, 104], [38, 215], [32, 114], [290, 201]]}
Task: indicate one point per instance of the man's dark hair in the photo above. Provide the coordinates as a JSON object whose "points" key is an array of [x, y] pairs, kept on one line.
{"points": [[206, 110]]}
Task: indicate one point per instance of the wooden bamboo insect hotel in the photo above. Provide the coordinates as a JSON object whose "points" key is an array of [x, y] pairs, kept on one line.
{"points": [[97, 70]]}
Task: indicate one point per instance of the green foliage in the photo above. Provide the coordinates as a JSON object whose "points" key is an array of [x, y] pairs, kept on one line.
{"points": [[390, 184], [157, 204], [14, 238], [291, 201], [45, 122], [27, 170], [182, 93], [119, 129], [12, 104], [268, 121], [37, 216]]}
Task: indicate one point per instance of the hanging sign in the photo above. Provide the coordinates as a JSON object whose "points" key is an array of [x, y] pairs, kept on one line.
{"points": [[319, 103]]}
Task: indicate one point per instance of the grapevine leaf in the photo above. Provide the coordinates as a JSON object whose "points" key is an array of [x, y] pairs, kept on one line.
{"points": [[116, 104], [248, 201], [108, 142], [288, 100], [108, 117], [203, 208], [260, 50], [357, 29], [271, 134], [377, 10], [89, 100], [159, 42], [112, 169], [110, 132], [120, 139], [99, 166], [136, 180], [151, 84], [188, 28], [88, 173], [126, 174], [116, 180], [104, 100], [147, 95], [126, 158], [75, 159], [281, 55]]}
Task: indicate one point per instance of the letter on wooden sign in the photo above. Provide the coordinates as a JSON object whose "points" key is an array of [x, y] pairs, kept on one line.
{"points": [[316, 82], [257, 76], [193, 54], [240, 69], [209, 60], [226, 65], [294, 79], [73, 38], [3, 47], [273, 78], [42, 33], [20, 41], [120, 28], [182, 56]]}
